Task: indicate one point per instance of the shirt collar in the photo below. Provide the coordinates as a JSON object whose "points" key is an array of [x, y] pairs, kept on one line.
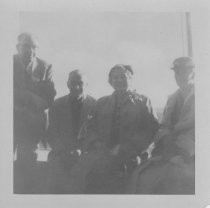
{"points": [[73, 99]]}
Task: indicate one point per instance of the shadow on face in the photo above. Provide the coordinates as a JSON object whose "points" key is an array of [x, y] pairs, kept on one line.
{"points": [[76, 84], [26, 51], [183, 76], [119, 79]]}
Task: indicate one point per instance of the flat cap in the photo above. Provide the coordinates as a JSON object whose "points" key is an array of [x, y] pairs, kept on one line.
{"points": [[183, 63]]}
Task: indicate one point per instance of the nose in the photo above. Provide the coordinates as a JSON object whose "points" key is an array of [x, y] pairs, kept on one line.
{"points": [[77, 87], [29, 51], [119, 79]]}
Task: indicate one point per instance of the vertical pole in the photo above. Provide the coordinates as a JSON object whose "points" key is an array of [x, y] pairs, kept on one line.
{"points": [[189, 35]]}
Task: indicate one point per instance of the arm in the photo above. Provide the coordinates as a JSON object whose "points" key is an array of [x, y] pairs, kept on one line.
{"points": [[148, 126], [166, 126], [184, 125], [27, 98], [54, 132], [21, 96], [152, 124], [47, 86]]}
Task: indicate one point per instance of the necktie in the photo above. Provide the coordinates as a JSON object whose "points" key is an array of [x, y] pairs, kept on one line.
{"points": [[115, 129]]}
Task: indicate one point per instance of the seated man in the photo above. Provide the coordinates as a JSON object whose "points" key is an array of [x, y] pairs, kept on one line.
{"points": [[69, 120], [125, 123], [174, 173]]}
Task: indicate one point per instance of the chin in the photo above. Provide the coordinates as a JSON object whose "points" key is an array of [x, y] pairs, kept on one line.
{"points": [[121, 89]]}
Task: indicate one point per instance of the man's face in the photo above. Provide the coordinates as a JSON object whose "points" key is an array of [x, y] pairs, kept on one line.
{"points": [[26, 51], [183, 76], [76, 85], [119, 79]]}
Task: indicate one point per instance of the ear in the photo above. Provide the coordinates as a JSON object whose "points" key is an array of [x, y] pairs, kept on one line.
{"points": [[193, 75], [110, 81], [68, 84]]}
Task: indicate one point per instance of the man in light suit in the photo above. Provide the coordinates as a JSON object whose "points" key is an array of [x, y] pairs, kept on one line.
{"points": [[175, 172]]}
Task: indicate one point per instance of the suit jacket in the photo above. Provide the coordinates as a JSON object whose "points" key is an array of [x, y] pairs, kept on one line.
{"points": [[29, 115], [61, 127], [137, 121], [176, 113]]}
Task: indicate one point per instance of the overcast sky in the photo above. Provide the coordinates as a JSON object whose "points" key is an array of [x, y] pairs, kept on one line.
{"points": [[95, 42]]}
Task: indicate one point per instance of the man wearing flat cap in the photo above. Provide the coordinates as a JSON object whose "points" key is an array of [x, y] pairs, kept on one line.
{"points": [[34, 92], [174, 173]]}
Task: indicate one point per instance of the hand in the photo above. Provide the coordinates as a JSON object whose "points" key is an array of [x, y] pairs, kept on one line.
{"points": [[162, 133], [149, 150]]}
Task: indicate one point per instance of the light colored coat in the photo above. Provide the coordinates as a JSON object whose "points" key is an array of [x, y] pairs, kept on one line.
{"points": [[174, 114], [174, 176]]}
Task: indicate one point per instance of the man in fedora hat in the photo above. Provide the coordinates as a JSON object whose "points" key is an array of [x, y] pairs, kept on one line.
{"points": [[175, 172]]}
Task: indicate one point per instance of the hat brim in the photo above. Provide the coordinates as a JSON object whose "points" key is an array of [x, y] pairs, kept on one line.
{"points": [[186, 67]]}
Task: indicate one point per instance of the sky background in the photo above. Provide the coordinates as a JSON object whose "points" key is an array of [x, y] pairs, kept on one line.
{"points": [[12, 23], [95, 42]]}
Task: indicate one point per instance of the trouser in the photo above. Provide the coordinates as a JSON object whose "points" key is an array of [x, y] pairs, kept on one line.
{"points": [[25, 169], [174, 176], [97, 173], [59, 178], [107, 177]]}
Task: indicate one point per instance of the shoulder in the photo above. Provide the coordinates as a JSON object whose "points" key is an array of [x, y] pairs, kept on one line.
{"points": [[103, 100], [15, 57], [138, 97], [42, 64], [16, 61], [172, 97], [17, 66], [89, 98], [90, 101], [61, 101]]}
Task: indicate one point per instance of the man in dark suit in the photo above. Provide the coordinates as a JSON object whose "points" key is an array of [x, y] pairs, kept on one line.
{"points": [[70, 120], [34, 92]]}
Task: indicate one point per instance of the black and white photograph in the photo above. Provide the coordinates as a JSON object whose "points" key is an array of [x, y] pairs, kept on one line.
{"points": [[103, 105]]}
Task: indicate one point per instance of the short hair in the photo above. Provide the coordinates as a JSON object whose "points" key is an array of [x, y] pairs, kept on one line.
{"points": [[78, 72], [128, 69], [27, 38]]}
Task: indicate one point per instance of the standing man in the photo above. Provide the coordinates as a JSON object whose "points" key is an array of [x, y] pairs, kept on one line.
{"points": [[70, 121], [34, 92], [175, 172]]}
